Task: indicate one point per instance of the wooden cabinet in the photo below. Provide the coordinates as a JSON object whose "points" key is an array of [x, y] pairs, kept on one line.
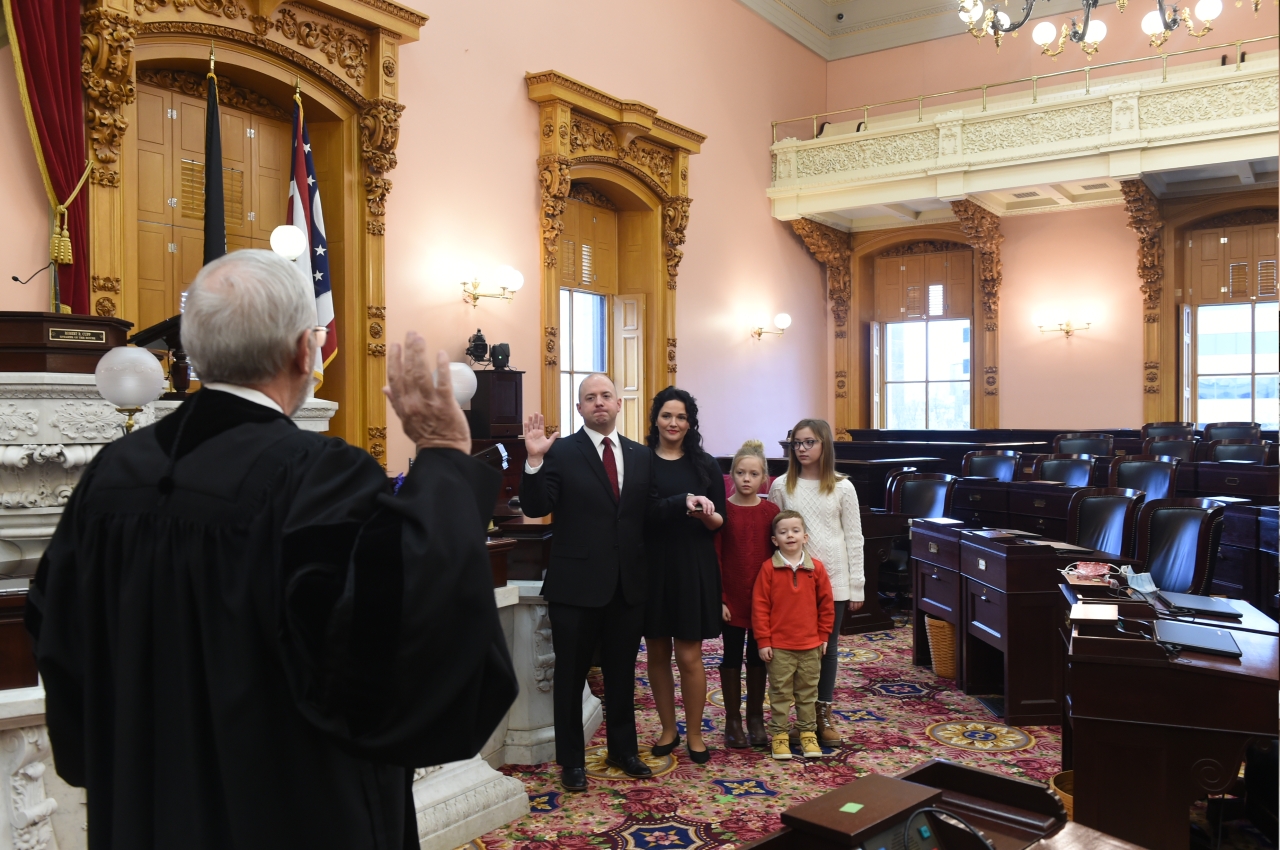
{"points": [[924, 286], [1232, 264]]}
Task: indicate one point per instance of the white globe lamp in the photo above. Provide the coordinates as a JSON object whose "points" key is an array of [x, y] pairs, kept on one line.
{"points": [[508, 278], [129, 377], [782, 321], [1003, 20], [288, 241], [1096, 32], [1044, 33], [1151, 23], [1208, 10], [464, 383], [970, 11]]}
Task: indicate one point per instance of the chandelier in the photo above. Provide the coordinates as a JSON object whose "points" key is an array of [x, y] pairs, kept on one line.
{"points": [[1158, 23]]}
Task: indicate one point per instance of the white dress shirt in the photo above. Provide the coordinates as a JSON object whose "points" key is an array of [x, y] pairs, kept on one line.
{"points": [[245, 393], [597, 439]]}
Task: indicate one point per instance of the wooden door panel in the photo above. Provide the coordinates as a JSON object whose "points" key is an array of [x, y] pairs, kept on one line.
{"points": [[628, 362], [155, 137], [935, 268], [960, 266], [1206, 266], [188, 162], [155, 274], [1264, 262], [888, 288], [271, 146]]}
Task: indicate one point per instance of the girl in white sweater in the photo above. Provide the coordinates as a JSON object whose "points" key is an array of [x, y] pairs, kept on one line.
{"points": [[829, 505]]}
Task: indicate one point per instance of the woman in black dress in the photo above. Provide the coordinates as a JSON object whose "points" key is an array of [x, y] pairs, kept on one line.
{"points": [[683, 608]]}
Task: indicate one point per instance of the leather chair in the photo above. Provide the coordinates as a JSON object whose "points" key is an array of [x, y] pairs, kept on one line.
{"points": [[1252, 451], [1073, 470], [992, 463], [1175, 447], [1178, 542], [1104, 518], [1154, 476], [1232, 431], [1185, 430], [1084, 443], [920, 494]]}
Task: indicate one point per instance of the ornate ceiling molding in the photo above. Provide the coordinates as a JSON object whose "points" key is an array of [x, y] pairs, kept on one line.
{"points": [[229, 94], [628, 119]]}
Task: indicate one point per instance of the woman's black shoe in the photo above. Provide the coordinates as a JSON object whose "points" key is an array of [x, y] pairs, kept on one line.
{"points": [[699, 756], [665, 749]]}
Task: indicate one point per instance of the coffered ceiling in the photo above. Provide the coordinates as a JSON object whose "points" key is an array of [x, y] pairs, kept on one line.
{"points": [[835, 29]]}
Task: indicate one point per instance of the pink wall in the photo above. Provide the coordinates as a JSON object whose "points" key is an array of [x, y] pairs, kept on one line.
{"points": [[466, 190], [24, 215], [1081, 264], [960, 61]]}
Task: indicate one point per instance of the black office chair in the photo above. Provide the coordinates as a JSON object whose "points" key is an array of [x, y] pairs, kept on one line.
{"points": [[1184, 449], [992, 463], [920, 494], [1232, 431], [1154, 476], [1251, 451], [1104, 518], [1186, 430], [1178, 542], [1084, 443], [1072, 470]]}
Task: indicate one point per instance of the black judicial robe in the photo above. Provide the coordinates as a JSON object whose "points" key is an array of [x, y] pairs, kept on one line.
{"points": [[247, 642]]}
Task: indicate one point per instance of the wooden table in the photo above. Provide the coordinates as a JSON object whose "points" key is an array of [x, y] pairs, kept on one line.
{"points": [[1150, 735]]}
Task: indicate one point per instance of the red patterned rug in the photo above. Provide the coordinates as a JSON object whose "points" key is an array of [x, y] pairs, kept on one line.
{"points": [[892, 715]]}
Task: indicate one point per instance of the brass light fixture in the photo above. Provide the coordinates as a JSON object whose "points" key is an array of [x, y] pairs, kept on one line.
{"points": [[507, 279], [782, 321]]}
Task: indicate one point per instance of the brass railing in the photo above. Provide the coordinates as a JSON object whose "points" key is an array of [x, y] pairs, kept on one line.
{"points": [[1034, 80]]}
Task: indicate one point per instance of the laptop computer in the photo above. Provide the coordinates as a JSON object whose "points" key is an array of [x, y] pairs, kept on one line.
{"points": [[1183, 602], [1189, 636]]}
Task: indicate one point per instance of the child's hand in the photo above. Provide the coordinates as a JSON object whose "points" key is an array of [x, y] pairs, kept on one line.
{"points": [[854, 606], [824, 649], [766, 654], [724, 612]]}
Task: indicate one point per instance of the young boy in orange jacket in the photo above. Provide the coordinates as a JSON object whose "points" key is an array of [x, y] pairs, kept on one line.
{"points": [[792, 614]]}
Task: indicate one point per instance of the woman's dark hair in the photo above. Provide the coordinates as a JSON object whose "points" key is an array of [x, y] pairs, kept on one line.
{"points": [[692, 444]]}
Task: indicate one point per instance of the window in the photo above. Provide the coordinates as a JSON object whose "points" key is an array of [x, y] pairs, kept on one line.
{"points": [[926, 374], [583, 347], [1237, 361]]}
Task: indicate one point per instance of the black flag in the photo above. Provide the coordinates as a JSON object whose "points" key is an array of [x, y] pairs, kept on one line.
{"points": [[215, 224]]}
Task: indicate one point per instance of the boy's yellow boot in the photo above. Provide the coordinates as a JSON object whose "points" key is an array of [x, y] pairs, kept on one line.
{"points": [[782, 746], [809, 743]]}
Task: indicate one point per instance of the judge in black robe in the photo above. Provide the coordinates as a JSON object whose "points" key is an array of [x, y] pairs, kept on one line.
{"points": [[247, 642]]}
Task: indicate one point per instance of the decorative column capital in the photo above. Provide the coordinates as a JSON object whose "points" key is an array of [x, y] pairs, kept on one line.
{"points": [[553, 178], [982, 228], [833, 248], [675, 218], [106, 69]]}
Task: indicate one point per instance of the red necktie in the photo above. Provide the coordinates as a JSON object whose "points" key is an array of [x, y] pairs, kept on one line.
{"points": [[611, 467]]}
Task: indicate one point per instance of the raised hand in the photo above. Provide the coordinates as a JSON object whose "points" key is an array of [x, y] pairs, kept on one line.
{"points": [[536, 440], [427, 410]]}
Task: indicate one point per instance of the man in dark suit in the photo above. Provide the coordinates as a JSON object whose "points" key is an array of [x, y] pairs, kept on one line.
{"points": [[600, 486]]}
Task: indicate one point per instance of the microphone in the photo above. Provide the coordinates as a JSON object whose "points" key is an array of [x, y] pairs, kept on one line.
{"points": [[33, 274]]}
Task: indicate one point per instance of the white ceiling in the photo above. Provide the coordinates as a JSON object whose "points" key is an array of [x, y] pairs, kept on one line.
{"points": [[871, 25]]}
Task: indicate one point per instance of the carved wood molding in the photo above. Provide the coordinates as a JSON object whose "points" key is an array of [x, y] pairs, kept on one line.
{"points": [[675, 218], [379, 134], [1241, 218], [197, 85], [106, 70], [588, 194], [927, 247], [630, 115], [1145, 220], [553, 178], [551, 336], [982, 228], [671, 356], [833, 249]]}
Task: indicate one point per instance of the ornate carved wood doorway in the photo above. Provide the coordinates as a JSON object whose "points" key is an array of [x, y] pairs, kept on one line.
{"points": [[620, 154], [343, 55]]}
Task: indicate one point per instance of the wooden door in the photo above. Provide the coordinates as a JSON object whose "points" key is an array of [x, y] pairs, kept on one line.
{"points": [[628, 363]]}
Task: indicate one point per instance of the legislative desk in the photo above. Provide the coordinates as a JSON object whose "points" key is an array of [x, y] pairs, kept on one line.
{"points": [[1000, 591], [1148, 733]]}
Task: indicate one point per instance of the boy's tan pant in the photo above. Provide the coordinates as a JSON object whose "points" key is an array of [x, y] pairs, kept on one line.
{"points": [[794, 675]]}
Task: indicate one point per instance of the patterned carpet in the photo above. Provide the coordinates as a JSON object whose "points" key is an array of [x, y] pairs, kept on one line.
{"points": [[892, 715]]}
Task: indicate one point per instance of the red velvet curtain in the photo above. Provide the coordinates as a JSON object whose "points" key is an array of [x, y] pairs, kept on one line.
{"points": [[46, 39]]}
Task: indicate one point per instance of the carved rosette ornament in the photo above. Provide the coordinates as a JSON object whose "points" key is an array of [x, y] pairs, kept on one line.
{"points": [[553, 178], [671, 356], [106, 69], [832, 248], [982, 227], [551, 335], [1144, 220], [675, 218], [379, 134]]}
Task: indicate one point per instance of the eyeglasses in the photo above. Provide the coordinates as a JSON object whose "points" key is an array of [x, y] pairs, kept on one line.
{"points": [[803, 444], [322, 335]]}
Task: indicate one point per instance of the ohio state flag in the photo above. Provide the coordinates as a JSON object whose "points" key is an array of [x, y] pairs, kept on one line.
{"points": [[305, 213]]}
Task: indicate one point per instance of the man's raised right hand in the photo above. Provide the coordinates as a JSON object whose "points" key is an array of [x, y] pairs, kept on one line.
{"points": [[536, 440]]}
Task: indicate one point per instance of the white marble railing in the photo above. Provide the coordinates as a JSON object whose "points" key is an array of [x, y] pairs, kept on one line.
{"points": [[1120, 128]]}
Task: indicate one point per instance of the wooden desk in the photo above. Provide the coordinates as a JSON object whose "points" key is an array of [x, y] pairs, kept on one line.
{"points": [[879, 533], [17, 661], [499, 548], [1150, 735], [532, 546], [1001, 593], [1243, 569]]}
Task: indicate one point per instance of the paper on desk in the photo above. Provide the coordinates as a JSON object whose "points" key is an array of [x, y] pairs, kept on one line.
{"points": [[1066, 547]]}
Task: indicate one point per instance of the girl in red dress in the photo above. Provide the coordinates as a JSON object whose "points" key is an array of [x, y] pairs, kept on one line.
{"points": [[742, 545]]}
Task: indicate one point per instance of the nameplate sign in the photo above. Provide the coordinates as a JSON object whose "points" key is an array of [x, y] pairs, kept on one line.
{"points": [[74, 335]]}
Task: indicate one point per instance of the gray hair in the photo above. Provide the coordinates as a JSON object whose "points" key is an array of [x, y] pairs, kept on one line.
{"points": [[243, 316]]}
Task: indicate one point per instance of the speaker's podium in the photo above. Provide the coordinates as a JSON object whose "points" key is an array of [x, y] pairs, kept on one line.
{"points": [[929, 805], [1151, 731]]}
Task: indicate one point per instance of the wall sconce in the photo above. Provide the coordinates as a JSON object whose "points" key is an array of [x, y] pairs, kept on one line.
{"points": [[782, 321], [1067, 328], [507, 279]]}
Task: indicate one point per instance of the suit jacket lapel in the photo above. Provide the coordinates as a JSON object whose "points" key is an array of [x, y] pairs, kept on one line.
{"points": [[588, 449]]}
